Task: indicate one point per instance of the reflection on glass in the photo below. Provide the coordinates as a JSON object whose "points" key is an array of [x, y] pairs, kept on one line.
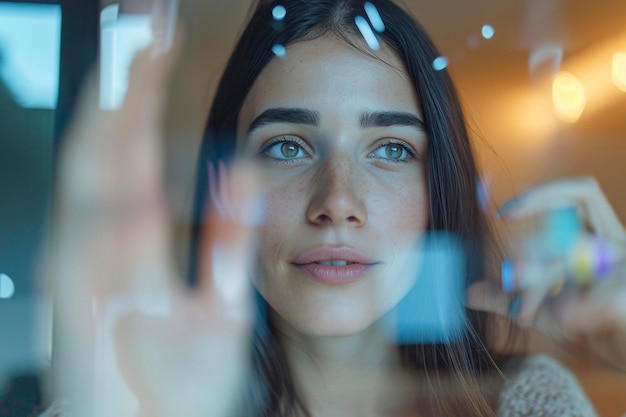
{"points": [[29, 52], [121, 37], [487, 31], [619, 70], [568, 97], [7, 287]]}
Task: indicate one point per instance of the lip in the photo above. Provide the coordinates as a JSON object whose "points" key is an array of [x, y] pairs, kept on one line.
{"points": [[361, 264]]}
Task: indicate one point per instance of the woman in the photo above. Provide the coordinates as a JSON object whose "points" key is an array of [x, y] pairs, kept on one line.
{"points": [[359, 147], [318, 94]]}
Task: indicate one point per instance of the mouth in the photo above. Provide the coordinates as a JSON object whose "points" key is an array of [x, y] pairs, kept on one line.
{"points": [[334, 265], [333, 256]]}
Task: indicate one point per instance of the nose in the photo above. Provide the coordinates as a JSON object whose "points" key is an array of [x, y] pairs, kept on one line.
{"points": [[337, 195]]}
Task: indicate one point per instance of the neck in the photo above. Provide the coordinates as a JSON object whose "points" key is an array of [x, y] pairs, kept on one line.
{"points": [[359, 374]]}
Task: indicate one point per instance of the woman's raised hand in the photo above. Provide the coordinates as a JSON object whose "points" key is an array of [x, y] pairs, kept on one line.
{"points": [[121, 308], [568, 281]]}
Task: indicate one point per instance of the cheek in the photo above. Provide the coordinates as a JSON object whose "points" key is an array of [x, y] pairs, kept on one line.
{"points": [[284, 212], [401, 209], [401, 221], [285, 207], [281, 232]]}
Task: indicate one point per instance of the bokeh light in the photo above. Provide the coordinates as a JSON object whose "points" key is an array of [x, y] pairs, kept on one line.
{"points": [[546, 59], [482, 192], [432, 310], [7, 287], [279, 51], [487, 31], [374, 17], [279, 12], [568, 97], [562, 227], [440, 63], [30, 45], [367, 33], [619, 70]]}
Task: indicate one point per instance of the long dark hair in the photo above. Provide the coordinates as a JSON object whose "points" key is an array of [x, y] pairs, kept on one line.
{"points": [[452, 186]]}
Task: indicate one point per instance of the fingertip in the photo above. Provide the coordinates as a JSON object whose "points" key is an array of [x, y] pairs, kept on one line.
{"points": [[529, 303], [525, 320], [229, 279], [152, 68], [166, 27], [248, 195], [507, 207], [225, 251], [486, 296], [515, 306], [507, 272]]}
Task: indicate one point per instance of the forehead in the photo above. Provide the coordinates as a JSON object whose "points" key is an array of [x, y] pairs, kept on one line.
{"points": [[330, 76]]}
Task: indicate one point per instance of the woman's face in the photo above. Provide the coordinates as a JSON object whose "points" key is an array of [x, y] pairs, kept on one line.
{"points": [[339, 139]]}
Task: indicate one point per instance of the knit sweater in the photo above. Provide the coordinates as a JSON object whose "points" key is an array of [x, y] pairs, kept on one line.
{"points": [[542, 387]]}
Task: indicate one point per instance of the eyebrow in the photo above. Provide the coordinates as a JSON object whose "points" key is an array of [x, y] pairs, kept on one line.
{"points": [[391, 118], [285, 115], [310, 117]]}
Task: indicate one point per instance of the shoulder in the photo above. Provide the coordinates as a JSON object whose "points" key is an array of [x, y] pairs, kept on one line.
{"points": [[542, 387]]}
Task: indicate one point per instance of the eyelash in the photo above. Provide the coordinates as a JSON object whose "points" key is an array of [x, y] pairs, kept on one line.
{"points": [[302, 145], [281, 140], [406, 147]]}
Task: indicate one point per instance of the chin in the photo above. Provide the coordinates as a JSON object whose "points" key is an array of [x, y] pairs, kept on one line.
{"points": [[339, 331], [331, 323]]}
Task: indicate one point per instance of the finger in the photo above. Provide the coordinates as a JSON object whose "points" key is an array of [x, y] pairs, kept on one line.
{"points": [[127, 251], [148, 78], [536, 281], [584, 192], [227, 245], [225, 189], [151, 69], [78, 156], [164, 19], [518, 283], [486, 296], [528, 273], [531, 302], [116, 156], [603, 307], [522, 307], [147, 86], [599, 317], [111, 197], [86, 116], [220, 190], [588, 260], [215, 197]]}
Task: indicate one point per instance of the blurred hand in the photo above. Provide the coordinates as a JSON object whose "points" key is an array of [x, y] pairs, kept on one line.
{"points": [[576, 293], [182, 352]]}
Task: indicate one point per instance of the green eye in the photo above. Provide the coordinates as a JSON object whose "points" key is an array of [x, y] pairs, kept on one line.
{"points": [[285, 149], [289, 150], [394, 151]]}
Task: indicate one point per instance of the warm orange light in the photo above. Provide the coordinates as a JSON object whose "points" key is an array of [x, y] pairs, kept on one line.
{"points": [[619, 70], [568, 97]]}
